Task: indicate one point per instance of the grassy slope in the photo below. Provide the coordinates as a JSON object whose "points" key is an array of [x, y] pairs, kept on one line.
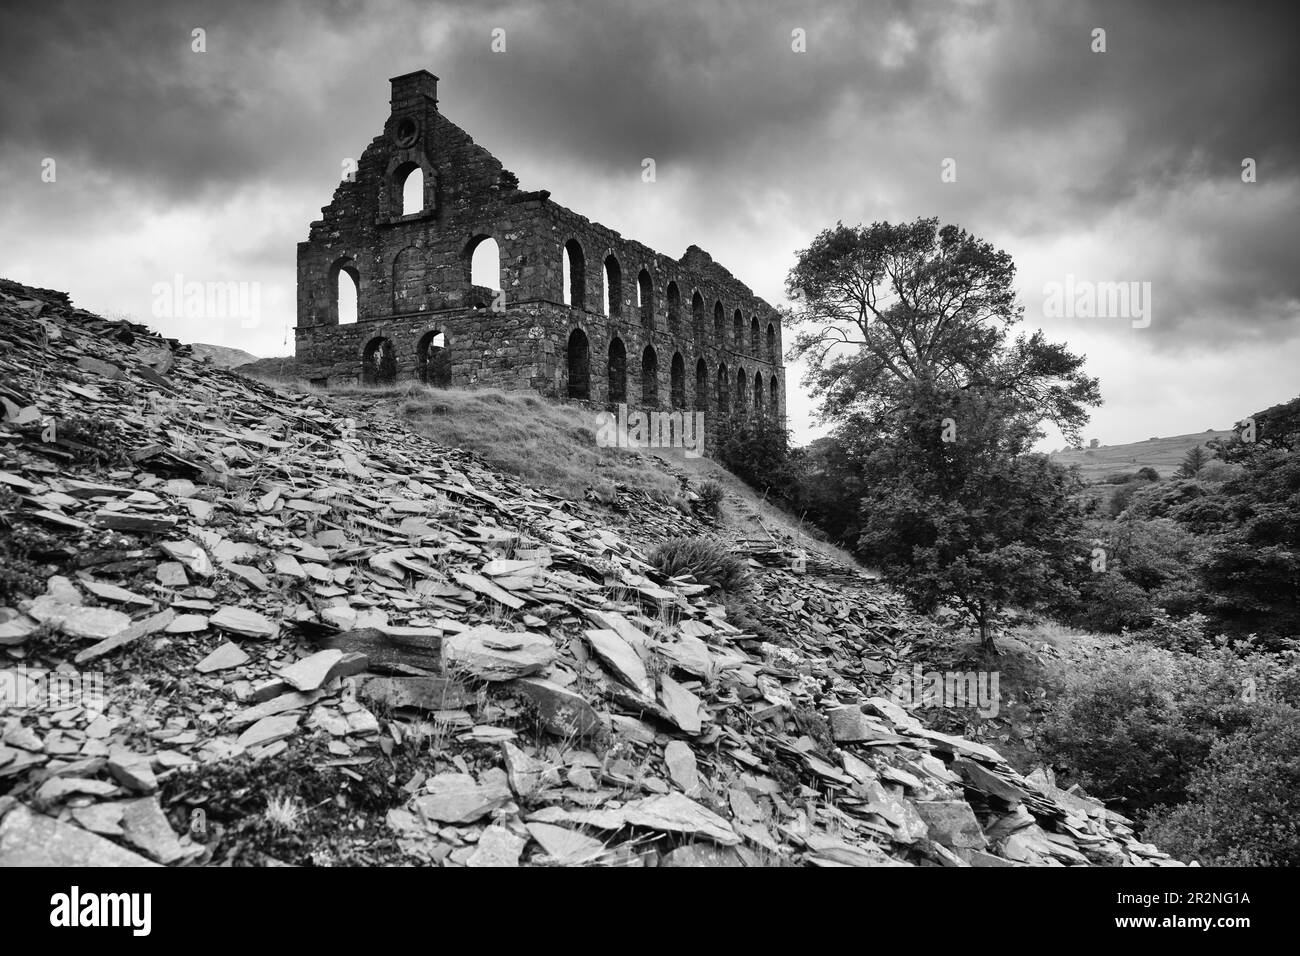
{"points": [[552, 445], [1162, 454]]}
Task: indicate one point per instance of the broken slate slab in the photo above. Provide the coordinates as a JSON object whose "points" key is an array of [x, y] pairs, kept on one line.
{"points": [[497, 847], [146, 827], [312, 672], [425, 693], [226, 656], [682, 768], [240, 620], [76, 620], [620, 658], [33, 839], [457, 798], [150, 625], [133, 770], [701, 854], [495, 655], [676, 813], [682, 706], [528, 776], [268, 730], [563, 712], [293, 700], [564, 846], [952, 823]]}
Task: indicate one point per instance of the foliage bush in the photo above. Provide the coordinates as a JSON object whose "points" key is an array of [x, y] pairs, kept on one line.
{"points": [[1134, 729], [755, 450], [1110, 603], [710, 496], [1187, 634], [1245, 799], [824, 484], [706, 559]]}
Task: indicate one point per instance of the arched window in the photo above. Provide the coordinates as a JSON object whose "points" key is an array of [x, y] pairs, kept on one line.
{"points": [[771, 343], [412, 182], [649, 378], [741, 389], [613, 288], [432, 360], [646, 299], [677, 376], [345, 291], [753, 335], [724, 389], [617, 371], [379, 362], [772, 395], [737, 330], [701, 384], [575, 275], [758, 391], [484, 263], [579, 354], [719, 323], [697, 315], [674, 308]]}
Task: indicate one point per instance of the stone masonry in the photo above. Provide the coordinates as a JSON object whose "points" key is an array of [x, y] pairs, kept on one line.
{"points": [[679, 333]]}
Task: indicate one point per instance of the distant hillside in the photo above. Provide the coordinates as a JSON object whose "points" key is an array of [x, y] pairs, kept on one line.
{"points": [[1162, 454], [278, 368], [221, 355]]}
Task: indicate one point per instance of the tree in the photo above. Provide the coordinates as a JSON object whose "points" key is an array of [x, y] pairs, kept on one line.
{"points": [[907, 334], [887, 305], [1193, 462], [1277, 427], [1252, 572], [976, 524]]}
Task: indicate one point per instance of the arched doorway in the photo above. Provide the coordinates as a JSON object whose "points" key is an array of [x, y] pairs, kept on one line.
{"points": [[649, 378], [432, 360], [677, 378], [617, 371], [579, 355], [379, 362]]}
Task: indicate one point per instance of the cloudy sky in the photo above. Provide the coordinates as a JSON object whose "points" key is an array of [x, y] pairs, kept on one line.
{"points": [[1115, 166]]}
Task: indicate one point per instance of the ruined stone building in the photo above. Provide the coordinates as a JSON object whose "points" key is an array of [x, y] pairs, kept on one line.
{"points": [[575, 311]]}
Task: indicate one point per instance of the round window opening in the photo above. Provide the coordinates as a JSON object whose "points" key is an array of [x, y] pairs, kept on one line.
{"points": [[407, 131]]}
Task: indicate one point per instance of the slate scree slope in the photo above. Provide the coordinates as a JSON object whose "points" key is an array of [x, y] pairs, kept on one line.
{"points": [[675, 333]]}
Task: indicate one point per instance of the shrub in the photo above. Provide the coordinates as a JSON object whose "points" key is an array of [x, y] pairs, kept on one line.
{"points": [[1147, 473], [705, 559], [1111, 603], [24, 551], [710, 498], [1245, 799], [1119, 477], [1120, 497], [1185, 634], [1136, 727], [755, 450], [94, 440]]}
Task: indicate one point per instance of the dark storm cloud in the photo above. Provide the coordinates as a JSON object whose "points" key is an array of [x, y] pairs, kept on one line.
{"points": [[1137, 149]]}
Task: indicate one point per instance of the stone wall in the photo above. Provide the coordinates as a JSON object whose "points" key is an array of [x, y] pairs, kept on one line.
{"points": [[679, 322]]}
